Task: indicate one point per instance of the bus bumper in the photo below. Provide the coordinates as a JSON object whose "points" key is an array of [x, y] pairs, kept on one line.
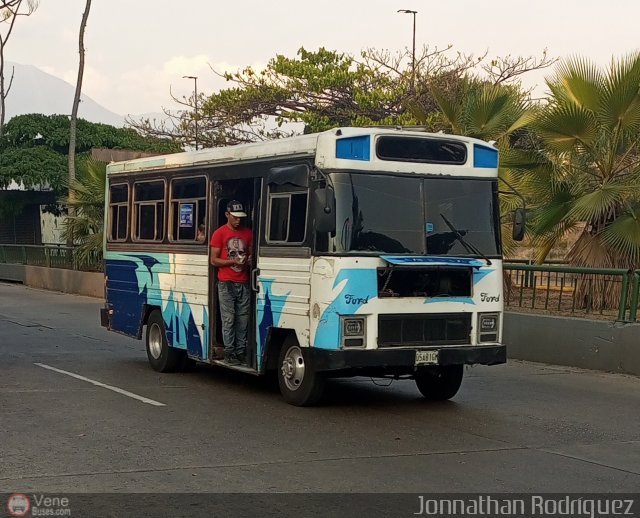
{"points": [[402, 360]]}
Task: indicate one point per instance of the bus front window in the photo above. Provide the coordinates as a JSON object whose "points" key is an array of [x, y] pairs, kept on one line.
{"points": [[383, 214], [377, 214], [462, 217]]}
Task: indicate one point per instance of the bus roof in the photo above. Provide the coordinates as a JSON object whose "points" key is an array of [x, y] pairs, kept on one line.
{"points": [[291, 146]]}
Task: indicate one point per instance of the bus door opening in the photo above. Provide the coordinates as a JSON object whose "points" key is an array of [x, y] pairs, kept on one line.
{"points": [[247, 192]]}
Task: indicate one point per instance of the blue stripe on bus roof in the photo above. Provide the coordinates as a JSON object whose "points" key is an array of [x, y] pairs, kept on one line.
{"points": [[354, 148], [485, 157]]}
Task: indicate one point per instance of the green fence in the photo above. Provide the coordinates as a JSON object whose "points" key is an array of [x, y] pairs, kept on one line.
{"points": [[52, 256], [594, 292]]}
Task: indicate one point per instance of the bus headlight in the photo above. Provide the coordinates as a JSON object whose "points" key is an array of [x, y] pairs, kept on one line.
{"points": [[488, 327], [354, 331]]}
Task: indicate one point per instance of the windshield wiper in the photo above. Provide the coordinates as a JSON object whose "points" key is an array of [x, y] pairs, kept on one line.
{"points": [[467, 246]]}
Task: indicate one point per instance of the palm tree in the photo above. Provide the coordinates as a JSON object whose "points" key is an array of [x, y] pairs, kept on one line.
{"points": [[590, 133], [86, 220]]}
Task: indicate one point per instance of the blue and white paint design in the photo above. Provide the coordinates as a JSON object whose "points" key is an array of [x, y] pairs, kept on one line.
{"points": [[345, 286], [357, 287], [283, 301], [175, 283], [270, 307]]}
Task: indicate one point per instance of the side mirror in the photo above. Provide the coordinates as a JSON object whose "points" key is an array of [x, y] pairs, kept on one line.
{"points": [[324, 210], [519, 223]]}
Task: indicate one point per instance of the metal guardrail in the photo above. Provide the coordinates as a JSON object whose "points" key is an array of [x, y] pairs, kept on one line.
{"points": [[51, 256], [607, 293]]}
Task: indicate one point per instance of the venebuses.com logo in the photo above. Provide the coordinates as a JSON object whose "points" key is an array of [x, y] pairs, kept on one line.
{"points": [[18, 505]]}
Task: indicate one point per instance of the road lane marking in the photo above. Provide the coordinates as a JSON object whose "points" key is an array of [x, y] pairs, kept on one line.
{"points": [[103, 385]]}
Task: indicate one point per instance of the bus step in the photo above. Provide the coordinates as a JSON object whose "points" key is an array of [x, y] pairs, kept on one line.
{"points": [[241, 368]]}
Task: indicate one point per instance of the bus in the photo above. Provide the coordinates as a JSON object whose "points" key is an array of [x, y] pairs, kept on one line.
{"points": [[376, 252]]}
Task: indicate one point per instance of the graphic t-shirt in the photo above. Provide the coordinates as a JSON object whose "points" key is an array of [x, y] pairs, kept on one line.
{"points": [[233, 243]]}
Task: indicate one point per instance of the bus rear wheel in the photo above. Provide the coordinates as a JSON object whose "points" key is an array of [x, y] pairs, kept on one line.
{"points": [[300, 384], [439, 383], [161, 357]]}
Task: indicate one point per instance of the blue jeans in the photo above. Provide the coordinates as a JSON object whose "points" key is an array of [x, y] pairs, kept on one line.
{"points": [[234, 309]]}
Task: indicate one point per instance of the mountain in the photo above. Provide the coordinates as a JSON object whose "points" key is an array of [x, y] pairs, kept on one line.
{"points": [[35, 91]]}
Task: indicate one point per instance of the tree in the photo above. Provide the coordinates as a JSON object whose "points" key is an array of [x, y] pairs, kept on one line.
{"points": [[324, 89], [318, 90], [84, 224], [10, 10], [591, 134], [33, 149], [590, 180], [74, 116]]}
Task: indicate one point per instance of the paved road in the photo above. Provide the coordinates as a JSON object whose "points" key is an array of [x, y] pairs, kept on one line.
{"points": [[522, 427]]}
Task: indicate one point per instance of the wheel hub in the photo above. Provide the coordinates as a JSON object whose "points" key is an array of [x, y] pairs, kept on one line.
{"points": [[293, 368], [155, 341]]}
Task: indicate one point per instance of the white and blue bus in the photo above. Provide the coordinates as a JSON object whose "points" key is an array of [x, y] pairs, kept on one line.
{"points": [[376, 252]]}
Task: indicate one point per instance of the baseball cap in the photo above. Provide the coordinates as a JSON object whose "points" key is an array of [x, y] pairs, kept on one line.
{"points": [[235, 208]]}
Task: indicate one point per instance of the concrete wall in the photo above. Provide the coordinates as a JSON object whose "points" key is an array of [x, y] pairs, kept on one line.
{"points": [[577, 342], [90, 284], [12, 272]]}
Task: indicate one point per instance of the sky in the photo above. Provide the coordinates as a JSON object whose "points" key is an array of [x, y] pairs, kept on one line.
{"points": [[137, 50]]}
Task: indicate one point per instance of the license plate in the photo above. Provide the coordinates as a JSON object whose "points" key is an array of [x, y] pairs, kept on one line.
{"points": [[426, 357]]}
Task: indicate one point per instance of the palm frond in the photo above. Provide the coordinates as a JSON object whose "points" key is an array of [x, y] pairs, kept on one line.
{"points": [[552, 213], [597, 204], [566, 126], [449, 108], [486, 113], [522, 159], [621, 100], [578, 81], [526, 118], [623, 235]]}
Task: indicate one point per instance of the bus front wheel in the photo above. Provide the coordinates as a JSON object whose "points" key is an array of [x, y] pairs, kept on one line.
{"points": [[161, 357], [439, 383], [300, 384]]}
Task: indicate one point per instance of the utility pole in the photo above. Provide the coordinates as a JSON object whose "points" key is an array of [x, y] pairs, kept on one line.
{"points": [[195, 101], [413, 51]]}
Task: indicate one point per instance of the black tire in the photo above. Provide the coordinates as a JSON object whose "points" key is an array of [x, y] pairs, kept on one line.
{"points": [[439, 383], [162, 357], [300, 384]]}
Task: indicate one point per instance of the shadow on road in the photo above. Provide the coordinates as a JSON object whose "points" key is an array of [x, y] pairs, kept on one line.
{"points": [[339, 392]]}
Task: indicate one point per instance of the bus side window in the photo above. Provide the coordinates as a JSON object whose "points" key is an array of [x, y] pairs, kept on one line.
{"points": [[188, 204], [148, 210], [118, 212], [287, 214]]}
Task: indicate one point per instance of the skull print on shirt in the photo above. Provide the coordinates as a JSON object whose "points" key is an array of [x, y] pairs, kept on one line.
{"points": [[236, 247]]}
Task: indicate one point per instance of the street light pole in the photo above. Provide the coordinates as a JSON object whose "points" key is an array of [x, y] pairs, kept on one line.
{"points": [[195, 101], [413, 51]]}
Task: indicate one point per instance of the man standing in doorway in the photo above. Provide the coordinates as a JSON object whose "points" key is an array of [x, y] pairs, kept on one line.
{"points": [[231, 255]]}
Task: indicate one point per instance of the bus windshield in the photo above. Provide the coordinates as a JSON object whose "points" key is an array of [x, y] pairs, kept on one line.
{"points": [[404, 215]]}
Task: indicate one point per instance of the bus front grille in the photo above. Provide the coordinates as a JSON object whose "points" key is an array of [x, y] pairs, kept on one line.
{"points": [[421, 330]]}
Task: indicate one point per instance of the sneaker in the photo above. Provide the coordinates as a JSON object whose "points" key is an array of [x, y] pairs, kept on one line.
{"points": [[242, 359]]}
